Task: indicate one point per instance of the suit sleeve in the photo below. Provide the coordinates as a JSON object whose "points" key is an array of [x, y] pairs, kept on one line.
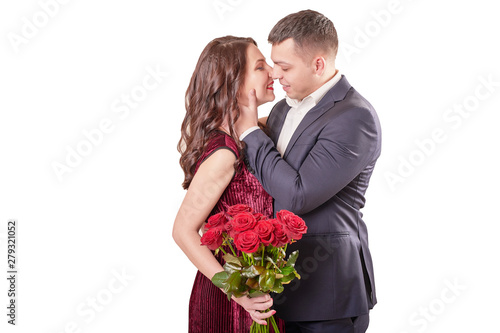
{"points": [[345, 146]]}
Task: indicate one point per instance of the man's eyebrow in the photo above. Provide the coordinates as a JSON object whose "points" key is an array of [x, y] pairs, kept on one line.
{"points": [[281, 63]]}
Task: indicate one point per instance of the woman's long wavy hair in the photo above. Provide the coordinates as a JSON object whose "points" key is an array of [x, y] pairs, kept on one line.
{"points": [[212, 99]]}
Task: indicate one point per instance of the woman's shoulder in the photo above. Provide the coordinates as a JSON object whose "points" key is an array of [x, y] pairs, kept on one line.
{"points": [[219, 140]]}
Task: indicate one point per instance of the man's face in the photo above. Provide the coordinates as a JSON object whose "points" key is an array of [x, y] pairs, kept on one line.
{"points": [[296, 75]]}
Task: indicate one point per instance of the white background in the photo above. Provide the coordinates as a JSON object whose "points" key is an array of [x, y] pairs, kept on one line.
{"points": [[433, 227]]}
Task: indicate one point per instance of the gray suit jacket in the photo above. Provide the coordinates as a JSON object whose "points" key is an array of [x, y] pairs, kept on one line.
{"points": [[322, 177]]}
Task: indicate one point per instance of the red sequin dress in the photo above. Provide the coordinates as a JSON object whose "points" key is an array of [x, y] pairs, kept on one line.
{"points": [[209, 309]]}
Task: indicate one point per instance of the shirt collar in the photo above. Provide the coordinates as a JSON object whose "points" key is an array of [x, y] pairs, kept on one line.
{"points": [[318, 94]]}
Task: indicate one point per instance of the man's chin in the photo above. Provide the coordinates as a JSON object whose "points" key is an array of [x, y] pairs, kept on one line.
{"points": [[290, 94]]}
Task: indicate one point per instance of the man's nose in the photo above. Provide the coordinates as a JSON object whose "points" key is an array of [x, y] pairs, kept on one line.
{"points": [[276, 74]]}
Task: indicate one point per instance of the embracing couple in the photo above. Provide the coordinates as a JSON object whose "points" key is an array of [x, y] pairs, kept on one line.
{"points": [[313, 156]]}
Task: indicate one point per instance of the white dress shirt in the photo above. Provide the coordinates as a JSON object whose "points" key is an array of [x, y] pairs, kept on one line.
{"points": [[299, 109]]}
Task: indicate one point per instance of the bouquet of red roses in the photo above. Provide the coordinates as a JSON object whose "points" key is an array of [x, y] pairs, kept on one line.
{"points": [[257, 266]]}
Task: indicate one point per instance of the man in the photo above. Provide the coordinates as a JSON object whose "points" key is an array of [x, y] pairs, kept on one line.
{"points": [[325, 139]]}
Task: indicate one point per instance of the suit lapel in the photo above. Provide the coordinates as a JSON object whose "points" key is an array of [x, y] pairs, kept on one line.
{"points": [[277, 118], [337, 93]]}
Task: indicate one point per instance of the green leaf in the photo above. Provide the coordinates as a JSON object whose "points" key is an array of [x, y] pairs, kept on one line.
{"points": [[249, 272], [234, 281], [228, 257], [287, 270], [266, 280], [258, 270], [234, 286], [238, 293], [231, 267], [278, 287], [256, 293], [252, 283], [292, 258], [288, 278], [219, 279]]}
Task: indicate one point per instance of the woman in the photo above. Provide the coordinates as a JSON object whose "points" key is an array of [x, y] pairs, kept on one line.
{"points": [[215, 175]]}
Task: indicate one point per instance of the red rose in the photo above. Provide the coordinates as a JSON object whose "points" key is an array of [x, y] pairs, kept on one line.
{"points": [[247, 241], [236, 209], [293, 225], [230, 230], [243, 221], [212, 238], [265, 231], [259, 216], [280, 236], [216, 220]]}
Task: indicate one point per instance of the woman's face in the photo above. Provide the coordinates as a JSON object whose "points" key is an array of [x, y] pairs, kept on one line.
{"points": [[258, 77]]}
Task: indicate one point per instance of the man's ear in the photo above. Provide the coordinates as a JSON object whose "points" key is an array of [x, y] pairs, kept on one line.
{"points": [[319, 64]]}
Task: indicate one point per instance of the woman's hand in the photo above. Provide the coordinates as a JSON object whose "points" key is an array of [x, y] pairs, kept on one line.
{"points": [[256, 304], [248, 114]]}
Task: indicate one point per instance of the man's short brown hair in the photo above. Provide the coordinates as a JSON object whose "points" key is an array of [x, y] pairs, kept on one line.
{"points": [[311, 31]]}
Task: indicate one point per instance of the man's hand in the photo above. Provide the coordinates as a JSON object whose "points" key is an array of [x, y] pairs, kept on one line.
{"points": [[248, 114]]}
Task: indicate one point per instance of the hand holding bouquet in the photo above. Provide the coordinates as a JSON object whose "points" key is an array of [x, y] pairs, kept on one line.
{"points": [[258, 265]]}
